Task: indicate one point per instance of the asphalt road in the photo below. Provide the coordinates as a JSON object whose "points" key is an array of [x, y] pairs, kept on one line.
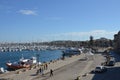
{"points": [[78, 68], [69, 72], [113, 72]]}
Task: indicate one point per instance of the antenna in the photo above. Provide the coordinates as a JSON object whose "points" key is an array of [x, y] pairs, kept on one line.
{"points": [[22, 57]]}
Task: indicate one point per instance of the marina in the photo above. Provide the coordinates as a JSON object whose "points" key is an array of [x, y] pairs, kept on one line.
{"points": [[59, 40]]}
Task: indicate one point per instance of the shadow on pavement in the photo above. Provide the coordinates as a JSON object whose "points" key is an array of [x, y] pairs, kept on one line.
{"points": [[116, 56], [33, 75], [84, 59], [113, 73]]}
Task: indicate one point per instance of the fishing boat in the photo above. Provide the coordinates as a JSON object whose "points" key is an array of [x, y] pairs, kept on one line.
{"points": [[22, 63]]}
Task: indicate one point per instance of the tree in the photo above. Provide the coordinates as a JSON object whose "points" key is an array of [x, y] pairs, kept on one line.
{"points": [[111, 42], [91, 41]]}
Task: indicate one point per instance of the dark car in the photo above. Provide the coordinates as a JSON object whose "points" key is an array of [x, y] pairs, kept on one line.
{"points": [[100, 69], [111, 63]]}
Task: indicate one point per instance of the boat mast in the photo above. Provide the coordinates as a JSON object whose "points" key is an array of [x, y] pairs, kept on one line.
{"points": [[37, 56]]}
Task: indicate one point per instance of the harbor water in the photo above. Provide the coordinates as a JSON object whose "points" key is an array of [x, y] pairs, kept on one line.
{"points": [[44, 56]]}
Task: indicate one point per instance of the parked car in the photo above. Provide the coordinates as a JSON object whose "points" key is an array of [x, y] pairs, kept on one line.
{"points": [[111, 63], [100, 69]]}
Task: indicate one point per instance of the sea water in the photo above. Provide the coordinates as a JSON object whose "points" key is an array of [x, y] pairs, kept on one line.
{"points": [[44, 56]]}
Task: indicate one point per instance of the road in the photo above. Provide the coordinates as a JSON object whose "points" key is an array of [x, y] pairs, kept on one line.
{"points": [[80, 67], [113, 72], [73, 70]]}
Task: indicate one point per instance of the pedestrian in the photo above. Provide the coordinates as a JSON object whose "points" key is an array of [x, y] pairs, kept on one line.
{"points": [[46, 66], [37, 72], [51, 72], [63, 56], [40, 70]]}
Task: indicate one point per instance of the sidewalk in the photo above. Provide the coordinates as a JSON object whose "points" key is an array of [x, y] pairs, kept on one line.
{"points": [[70, 71]]}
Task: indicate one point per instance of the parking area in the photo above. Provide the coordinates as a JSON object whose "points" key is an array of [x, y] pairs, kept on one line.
{"points": [[112, 72]]}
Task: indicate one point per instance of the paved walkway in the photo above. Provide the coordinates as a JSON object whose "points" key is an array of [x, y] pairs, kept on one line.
{"points": [[31, 74], [70, 71]]}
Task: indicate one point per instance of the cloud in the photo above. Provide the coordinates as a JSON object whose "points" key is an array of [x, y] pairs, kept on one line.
{"points": [[93, 33], [53, 18], [83, 35], [28, 12]]}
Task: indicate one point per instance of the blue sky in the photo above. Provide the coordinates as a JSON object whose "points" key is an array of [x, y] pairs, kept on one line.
{"points": [[46, 20]]}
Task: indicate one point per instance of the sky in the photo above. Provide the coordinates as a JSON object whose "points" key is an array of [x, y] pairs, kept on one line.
{"points": [[47, 20]]}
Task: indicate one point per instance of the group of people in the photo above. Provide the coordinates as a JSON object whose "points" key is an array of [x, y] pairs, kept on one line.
{"points": [[42, 68]]}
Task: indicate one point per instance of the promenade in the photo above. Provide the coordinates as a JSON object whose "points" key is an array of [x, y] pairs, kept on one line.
{"points": [[31, 74], [80, 67], [68, 69]]}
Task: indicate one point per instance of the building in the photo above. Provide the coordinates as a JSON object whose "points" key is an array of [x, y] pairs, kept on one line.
{"points": [[117, 42], [103, 42]]}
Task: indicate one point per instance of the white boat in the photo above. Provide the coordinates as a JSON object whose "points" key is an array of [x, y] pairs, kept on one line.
{"points": [[72, 51]]}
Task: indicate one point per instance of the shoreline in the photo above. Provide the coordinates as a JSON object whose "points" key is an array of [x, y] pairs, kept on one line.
{"points": [[31, 74]]}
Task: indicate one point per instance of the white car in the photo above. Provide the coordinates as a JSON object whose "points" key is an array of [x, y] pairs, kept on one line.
{"points": [[100, 69]]}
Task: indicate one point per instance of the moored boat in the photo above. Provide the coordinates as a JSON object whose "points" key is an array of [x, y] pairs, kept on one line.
{"points": [[72, 51], [17, 66], [22, 63]]}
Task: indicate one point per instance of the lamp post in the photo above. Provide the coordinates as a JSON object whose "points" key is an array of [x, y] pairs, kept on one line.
{"points": [[37, 56]]}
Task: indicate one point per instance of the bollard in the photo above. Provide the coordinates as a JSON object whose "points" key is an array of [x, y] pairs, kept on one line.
{"points": [[78, 78], [18, 72]]}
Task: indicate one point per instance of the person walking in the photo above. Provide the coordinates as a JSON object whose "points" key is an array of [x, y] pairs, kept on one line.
{"points": [[37, 72], [51, 72], [46, 65], [40, 70]]}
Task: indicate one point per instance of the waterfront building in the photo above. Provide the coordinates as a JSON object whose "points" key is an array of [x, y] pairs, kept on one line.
{"points": [[117, 42], [102, 42]]}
